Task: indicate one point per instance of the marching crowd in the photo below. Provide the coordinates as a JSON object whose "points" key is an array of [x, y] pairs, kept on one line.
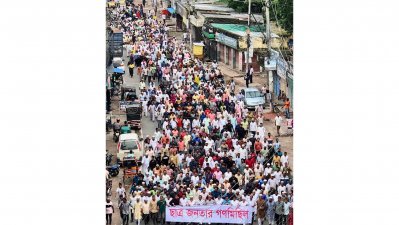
{"points": [[208, 148]]}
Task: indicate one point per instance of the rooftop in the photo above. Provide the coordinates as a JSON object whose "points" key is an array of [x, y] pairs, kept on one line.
{"points": [[238, 27], [211, 7], [241, 30]]}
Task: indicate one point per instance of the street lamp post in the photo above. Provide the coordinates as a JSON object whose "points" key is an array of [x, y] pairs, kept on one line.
{"points": [[248, 43], [248, 33]]}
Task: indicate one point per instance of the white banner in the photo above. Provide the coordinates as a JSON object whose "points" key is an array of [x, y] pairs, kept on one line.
{"points": [[210, 214]]}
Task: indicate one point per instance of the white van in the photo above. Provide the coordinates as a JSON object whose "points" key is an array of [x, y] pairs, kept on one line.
{"points": [[129, 142]]}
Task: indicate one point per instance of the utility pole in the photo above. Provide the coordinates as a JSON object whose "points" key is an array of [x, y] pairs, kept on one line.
{"points": [[268, 40], [248, 34]]}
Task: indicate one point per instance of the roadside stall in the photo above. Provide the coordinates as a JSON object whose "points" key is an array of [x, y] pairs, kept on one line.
{"points": [[198, 50]]}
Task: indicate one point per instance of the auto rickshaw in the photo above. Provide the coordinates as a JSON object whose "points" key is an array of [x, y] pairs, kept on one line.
{"points": [[133, 115], [130, 168], [128, 93]]}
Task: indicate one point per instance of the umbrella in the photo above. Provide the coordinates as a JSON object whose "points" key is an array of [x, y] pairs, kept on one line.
{"points": [[171, 10], [118, 70]]}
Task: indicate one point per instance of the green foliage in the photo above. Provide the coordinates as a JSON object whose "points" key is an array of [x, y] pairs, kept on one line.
{"points": [[283, 10], [238, 6], [242, 6]]}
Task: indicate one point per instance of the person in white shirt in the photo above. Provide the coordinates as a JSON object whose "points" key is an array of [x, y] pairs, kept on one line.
{"points": [[183, 201], [195, 179], [165, 177], [209, 201], [145, 163], [235, 202], [145, 108], [284, 158], [186, 124], [243, 152], [247, 170], [268, 169], [120, 191], [228, 174], [200, 201], [253, 127], [281, 188], [196, 123], [218, 200], [278, 120], [191, 202], [261, 130], [203, 194], [258, 171], [272, 182]]}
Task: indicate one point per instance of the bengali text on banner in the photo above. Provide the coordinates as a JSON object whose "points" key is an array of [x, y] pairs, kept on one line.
{"points": [[210, 214]]}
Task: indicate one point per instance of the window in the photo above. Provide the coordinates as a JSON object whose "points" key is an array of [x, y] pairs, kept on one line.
{"points": [[253, 94], [129, 145]]}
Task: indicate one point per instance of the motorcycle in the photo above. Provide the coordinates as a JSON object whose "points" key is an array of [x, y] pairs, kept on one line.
{"points": [[109, 187], [116, 135], [108, 125], [113, 170], [108, 159]]}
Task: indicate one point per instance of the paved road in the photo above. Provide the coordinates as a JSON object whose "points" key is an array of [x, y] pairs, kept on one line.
{"points": [[148, 128]]}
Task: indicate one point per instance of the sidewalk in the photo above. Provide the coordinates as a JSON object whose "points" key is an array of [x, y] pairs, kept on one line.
{"points": [[259, 82], [238, 76]]}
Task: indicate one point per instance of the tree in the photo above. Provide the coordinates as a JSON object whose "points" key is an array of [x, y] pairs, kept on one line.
{"points": [[283, 10]]}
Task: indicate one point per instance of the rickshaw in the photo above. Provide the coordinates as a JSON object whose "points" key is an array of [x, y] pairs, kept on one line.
{"points": [[128, 93], [131, 167], [117, 75], [133, 115]]}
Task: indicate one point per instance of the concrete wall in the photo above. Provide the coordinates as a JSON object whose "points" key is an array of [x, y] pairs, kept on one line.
{"points": [[255, 63]]}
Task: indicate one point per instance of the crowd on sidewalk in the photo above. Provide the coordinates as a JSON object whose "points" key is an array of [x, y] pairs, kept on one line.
{"points": [[208, 149]]}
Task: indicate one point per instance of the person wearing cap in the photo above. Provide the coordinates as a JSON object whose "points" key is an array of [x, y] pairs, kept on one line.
{"points": [[281, 188], [270, 211], [260, 210], [284, 159], [146, 211], [279, 209], [154, 210], [272, 182], [137, 210]]}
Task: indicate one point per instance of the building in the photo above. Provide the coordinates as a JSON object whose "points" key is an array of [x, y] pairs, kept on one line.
{"points": [[233, 48], [182, 14]]}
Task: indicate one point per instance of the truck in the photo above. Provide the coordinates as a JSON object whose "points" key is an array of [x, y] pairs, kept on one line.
{"points": [[115, 43]]}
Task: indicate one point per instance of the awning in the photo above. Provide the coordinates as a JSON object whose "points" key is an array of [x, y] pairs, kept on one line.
{"points": [[118, 70], [171, 10]]}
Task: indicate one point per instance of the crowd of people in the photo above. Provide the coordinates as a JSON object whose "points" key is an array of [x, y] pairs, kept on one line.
{"points": [[208, 148]]}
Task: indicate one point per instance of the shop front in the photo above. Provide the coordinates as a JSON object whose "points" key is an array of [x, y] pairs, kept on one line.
{"points": [[290, 87], [181, 16]]}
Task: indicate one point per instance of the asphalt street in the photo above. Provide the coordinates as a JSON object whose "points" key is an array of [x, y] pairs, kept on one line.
{"points": [[148, 128]]}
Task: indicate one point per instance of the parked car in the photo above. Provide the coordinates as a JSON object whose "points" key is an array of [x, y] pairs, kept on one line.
{"points": [[127, 142], [253, 97]]}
